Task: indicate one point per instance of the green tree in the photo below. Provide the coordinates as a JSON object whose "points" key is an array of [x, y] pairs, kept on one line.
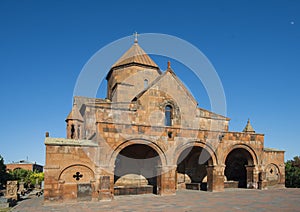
{"points": [[21, 175], [36, 177], [3, 175], [292, 173]]}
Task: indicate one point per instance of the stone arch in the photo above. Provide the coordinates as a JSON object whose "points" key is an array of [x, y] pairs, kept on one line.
{"points": [[137, 167], [240, 162], [192, 159], [127, 143], [67, 173], [247, 148], [201, 144], [272, 174]]}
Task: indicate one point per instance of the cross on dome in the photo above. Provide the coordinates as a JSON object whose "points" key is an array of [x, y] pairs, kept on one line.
{"points": [[135, 37]]}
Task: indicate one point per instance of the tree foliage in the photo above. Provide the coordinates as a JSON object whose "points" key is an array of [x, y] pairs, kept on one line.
{"points": [[3, 175], [29, 178], [20, 175], [36, 177], [292, 173]]}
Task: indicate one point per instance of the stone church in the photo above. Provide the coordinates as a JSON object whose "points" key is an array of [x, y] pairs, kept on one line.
{"points": [[149, 136]]}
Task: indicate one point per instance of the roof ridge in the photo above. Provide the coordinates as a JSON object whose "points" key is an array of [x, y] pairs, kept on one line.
{"points": [[149, 86], [169, 70]]}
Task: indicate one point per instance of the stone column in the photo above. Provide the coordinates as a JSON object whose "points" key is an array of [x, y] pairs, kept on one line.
{"points": [[255, 177], [166, 180], [215, 178], [262, 182], [250, 176]]}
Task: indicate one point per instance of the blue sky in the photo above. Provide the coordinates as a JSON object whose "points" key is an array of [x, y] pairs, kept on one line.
{"points": [[253, 45]]}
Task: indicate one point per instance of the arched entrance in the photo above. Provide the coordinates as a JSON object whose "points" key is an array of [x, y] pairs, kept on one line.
{"points": [[136, 170], [236, 163], [191, 168]]}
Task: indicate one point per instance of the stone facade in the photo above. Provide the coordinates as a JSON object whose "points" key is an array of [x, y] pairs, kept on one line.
{"points": [[149, 135]]}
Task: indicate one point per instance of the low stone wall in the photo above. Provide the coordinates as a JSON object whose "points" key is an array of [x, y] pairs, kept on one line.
{"points": [[196, 186], [192, 186], [133, 190], [231, 184]]}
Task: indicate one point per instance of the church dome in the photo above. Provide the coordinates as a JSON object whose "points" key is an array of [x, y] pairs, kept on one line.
{"points": [[135, 55]]}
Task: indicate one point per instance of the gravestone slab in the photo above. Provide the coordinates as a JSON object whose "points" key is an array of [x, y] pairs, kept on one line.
{"points": [[11, 190], [84, 192], [104, 182]]}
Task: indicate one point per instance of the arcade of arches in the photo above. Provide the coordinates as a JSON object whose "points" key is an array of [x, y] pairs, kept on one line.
{"points": [[150, 136]]}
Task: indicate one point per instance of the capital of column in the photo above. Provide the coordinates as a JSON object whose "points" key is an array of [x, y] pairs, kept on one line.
{"points": [[216, 168]]}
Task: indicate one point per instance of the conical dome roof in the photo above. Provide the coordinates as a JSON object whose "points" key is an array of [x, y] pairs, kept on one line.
{"points": [[249, 128], [74, 114], [135, 55]]}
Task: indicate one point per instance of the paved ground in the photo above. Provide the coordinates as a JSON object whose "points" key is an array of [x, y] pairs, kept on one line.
{"points": [[185, 200]]}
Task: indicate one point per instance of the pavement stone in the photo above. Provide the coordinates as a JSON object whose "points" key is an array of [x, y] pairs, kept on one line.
{"points": [[185, 200]]}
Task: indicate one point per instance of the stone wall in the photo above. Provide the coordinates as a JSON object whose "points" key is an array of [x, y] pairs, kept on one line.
{"points": [[274, 167], [67, 165], [125, 83], [116, 126]]}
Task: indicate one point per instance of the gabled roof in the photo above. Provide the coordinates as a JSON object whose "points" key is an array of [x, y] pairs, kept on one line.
{"points": [[74, 114], [135, 55], [169, 70]]}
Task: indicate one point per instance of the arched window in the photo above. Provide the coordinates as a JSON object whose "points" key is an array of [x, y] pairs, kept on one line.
{"points": [[168, 115], [72, 131], [145, 83]]}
